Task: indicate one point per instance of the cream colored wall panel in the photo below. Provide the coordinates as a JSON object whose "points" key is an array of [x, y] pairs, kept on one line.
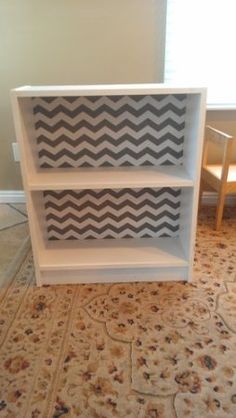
{"points": [[75, 42]]}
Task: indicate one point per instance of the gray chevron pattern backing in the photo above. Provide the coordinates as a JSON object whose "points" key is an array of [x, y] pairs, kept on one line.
{"points": [[113, 131], [121, 213]]}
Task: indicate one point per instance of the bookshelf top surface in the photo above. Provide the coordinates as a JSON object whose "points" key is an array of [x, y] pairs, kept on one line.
{"points": [[105, 89]]}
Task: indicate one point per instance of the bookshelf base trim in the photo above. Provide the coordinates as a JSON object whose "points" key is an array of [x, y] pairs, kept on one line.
{"points": [[56, 277]]}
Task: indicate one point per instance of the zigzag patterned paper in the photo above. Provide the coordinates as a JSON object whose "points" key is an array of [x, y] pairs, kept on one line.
{"points": [[113, 131], [122, 213]]}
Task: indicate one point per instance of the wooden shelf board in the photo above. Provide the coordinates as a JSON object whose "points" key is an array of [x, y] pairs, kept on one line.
{"points": [[105, 178], [216, 170], [115, 254]]}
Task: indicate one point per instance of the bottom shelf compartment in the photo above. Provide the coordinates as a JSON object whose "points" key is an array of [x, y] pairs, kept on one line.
{"points": [[158, 246], [105, 254], [112, 214], [112, 260]]}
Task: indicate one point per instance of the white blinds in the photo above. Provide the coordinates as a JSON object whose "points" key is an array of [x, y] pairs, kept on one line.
{"points": [[201, 47]]}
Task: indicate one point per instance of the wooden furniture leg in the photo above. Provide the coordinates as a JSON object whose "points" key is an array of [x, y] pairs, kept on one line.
{"points": [[220, 208], [200, 195]]}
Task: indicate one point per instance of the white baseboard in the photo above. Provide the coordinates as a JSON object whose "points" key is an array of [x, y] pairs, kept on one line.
{"points": [[12, 196], [18, 196], [210, 199]]}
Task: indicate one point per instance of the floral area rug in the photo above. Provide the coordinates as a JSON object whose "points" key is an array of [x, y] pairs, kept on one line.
{"points": [[158, 350]]}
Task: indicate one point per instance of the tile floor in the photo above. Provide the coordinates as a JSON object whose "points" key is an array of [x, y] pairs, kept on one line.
{"points": [[13, 232]]}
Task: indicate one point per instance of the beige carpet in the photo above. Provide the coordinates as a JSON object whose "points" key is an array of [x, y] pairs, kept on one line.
{"points": [[158, 350]]}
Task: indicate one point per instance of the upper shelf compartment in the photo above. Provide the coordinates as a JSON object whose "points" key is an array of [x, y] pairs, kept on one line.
{"points": [[98, 128], [109, 131]]}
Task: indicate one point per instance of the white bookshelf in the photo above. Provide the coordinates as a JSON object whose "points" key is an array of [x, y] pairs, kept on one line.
{"points": [[111, 176]]}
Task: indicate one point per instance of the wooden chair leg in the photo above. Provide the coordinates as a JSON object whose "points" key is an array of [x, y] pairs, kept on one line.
{"points": [[200, 195], [220, 209]]}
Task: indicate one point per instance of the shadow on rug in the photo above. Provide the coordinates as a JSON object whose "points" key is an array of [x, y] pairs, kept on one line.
{"points": [[158, 350]]}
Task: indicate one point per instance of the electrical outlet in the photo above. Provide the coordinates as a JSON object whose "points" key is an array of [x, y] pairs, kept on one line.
{"points": [[16, 151]]}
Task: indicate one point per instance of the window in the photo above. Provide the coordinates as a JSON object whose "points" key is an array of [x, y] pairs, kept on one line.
{"points": [[201, 47]]}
